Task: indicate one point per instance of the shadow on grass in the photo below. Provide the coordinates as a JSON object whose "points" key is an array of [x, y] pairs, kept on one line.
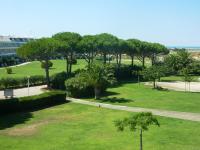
{"points": [[115, 100], [159, 88], [8, 121], [12, 119], [109, 93]]}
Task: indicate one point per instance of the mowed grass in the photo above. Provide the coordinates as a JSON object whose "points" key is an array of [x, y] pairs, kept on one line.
{"points": [[79, 127], [133, 94], [179, 78], [34, 68]]}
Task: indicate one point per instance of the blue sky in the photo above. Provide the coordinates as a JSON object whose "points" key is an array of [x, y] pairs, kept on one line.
{"points": [[171, 22]]}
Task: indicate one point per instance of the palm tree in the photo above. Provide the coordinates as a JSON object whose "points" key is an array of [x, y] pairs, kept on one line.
{"points": [[99, 76], [140, 121]]}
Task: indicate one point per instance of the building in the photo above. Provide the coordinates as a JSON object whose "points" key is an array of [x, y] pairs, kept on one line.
{"points": [[9, 44]]}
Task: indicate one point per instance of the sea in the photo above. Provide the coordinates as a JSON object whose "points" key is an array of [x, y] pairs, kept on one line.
{"points": [[189, 48]]}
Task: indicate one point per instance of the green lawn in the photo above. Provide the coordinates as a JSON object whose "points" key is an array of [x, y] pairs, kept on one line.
{"points": [[132, 94], [79, 127], [178, 78], [34, 68]]}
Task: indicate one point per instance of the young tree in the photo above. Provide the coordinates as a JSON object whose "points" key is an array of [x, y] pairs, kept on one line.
{"points": [[42, 49], [185, 72], [140, 121], [153, 73], [71, 41]]}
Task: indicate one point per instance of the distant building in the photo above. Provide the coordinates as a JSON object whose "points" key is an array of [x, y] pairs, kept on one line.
{"points": [[8, 44]]}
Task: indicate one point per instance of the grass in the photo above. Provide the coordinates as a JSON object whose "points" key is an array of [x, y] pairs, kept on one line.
{"points": [[178, 78], [34, 68], [133, 94], [79, 127]]}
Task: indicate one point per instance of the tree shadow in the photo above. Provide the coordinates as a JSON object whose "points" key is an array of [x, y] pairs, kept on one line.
{"points": [[12, 119], [115, 100], [8, 121], [109, 93], [159, 88]]}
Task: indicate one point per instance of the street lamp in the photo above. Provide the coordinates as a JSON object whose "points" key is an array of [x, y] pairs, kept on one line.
{"points": [[28, 77]]}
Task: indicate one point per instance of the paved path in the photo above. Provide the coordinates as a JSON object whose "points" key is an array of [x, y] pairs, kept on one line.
{"points": [[24, 91], [164, 113], [17, 65], [179, 86]]}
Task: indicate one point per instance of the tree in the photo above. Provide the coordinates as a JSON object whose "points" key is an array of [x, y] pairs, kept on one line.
{"points": [[143, 52], [106, 44], [156, 49], [140, 121], [133, 48], [88, 47], [42, 49], [185, 72], [71, 41], [99, 76], [153, 73], [178, 60]]}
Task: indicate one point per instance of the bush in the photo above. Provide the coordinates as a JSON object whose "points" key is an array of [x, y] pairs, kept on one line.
{"points": [[126, 72], [43, 64], [79, 87], [9, 70], [32, 102], [97, 76], [195, 68], [21, 82], [58, 81]]}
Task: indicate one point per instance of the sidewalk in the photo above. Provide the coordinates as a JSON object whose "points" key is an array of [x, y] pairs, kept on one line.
{"points": [[24, 91], [163, 113]]}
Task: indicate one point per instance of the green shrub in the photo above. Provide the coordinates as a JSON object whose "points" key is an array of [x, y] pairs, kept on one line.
{"points": [[126, 72], [9, 70], [58, 81], [97, 76], [43, 64], [78, 87], [32, 102], [8, 83], [21, 82]]}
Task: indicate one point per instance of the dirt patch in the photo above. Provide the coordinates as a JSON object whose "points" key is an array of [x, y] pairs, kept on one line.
{"points": [[32, 129], [27, 130]]}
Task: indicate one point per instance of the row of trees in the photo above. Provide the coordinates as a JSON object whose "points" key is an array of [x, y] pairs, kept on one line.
{"points": [[70, 44]]}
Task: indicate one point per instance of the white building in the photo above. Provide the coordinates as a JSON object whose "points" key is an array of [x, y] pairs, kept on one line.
{"points": [[8, 44]]}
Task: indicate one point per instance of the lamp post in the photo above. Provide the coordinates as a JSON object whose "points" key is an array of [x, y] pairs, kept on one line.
{"points": [[28, 84]]}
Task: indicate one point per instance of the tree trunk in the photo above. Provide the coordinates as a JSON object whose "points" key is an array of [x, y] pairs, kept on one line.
{"points": [[67, 67], [117, 56], [154, 83], [132, 60], [70, 64], [92, 58], [47, 73], [141, 146], [143, 61], [104, 58], [97, 92], [153, 59], [120, 59]]}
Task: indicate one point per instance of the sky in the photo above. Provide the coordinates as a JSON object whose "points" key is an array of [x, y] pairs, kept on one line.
{"points": [[170, 22]]}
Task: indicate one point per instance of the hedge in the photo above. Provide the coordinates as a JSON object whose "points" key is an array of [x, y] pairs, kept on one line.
{"points": [[21, 82], [32, 102]]}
